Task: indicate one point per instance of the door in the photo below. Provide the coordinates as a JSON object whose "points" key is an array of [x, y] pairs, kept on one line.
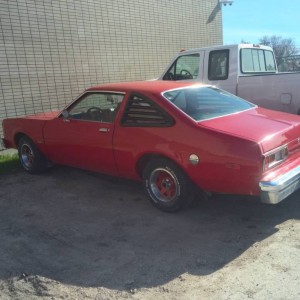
{"points": [[221, 69], [188, 66], [83, 138]]}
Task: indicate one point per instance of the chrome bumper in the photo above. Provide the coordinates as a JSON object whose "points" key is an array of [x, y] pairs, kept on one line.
{"points": [[272, 192]]}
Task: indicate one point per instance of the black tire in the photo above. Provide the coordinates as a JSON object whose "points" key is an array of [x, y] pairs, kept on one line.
{"points": [[32, 160], [167, 186]]}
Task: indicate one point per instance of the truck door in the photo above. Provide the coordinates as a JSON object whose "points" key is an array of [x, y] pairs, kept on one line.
{"points": [[220, 71], [188, 66]]}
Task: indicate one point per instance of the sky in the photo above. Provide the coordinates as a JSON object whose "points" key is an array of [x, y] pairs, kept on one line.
{"points": [[250, 20]]}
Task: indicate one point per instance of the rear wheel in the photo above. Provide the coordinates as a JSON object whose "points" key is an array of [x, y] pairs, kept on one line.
{"points": [[32, 160], [168, 187]]}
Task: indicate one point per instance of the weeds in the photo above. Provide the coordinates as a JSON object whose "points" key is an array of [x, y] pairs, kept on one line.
{"points": [[9, 163]]}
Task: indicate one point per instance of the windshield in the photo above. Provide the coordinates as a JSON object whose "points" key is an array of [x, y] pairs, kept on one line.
{"points": [[202, 103]]}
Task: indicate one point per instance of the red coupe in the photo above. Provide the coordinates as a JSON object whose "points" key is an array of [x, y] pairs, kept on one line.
{"points": [[174, 136]]}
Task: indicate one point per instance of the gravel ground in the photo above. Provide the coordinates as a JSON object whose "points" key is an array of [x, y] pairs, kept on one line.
{"points": [[70, 234]]}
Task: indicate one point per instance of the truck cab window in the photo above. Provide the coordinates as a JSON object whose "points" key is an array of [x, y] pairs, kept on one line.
{"points": [[185, 67], [218, 65], [257, 61], [270, 65]]}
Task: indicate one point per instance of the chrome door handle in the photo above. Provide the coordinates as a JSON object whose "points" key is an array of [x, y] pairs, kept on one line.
{"points": [[103, 129]]}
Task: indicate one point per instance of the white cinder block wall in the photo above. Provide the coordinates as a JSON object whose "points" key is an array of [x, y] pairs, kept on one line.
{"points": [[51, 50]]}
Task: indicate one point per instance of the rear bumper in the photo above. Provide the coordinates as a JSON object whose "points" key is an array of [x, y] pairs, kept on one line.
{"points": [[276, 190]]}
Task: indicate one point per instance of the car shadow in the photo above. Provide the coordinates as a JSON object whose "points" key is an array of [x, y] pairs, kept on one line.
{"points": [[91, 230]]}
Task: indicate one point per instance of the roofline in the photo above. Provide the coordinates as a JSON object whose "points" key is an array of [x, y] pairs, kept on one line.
{"points": [[239, 46]]}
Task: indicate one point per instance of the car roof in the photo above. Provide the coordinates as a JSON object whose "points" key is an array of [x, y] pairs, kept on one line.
{"points": [[155, 86]]}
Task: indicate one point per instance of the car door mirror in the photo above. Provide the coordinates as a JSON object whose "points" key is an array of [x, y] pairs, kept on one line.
{"points": [[65, 114]]}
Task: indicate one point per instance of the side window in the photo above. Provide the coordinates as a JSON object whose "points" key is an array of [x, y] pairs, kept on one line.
{"points": [[270, 62], [218, 65], [101, 107], [257, 61], [185, 67], [142, 112]]}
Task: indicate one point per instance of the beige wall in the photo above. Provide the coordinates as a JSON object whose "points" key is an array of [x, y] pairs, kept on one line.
{"points": [[51, 50]]}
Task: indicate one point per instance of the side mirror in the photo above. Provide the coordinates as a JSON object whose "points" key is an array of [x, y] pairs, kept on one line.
{"points": [[65, 114]]}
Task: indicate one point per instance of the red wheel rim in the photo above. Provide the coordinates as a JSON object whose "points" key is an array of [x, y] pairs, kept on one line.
{"points": [[164, 185]]}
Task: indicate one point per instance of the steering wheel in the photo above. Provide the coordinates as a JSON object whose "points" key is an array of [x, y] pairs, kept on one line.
{"points": [[94, 113], [169, 76], [186, 74]]}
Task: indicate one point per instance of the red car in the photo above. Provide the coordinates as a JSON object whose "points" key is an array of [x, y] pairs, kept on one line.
{"points": [[173, 136]]}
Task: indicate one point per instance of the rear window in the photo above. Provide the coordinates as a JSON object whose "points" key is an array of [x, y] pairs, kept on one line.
{"points": [[202, 103], [257, 61]]}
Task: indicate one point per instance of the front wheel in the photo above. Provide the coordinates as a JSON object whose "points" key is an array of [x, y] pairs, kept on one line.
{"points": [[32, 160], [168, 187]]}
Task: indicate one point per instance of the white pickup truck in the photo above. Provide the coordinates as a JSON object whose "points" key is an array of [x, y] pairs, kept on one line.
{"points": [[246, 70]]}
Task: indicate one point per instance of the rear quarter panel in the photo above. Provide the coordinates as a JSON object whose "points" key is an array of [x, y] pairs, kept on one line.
{"points": [[228, 164]]}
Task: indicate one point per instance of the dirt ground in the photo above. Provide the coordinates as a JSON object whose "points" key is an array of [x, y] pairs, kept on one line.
{"points": [[70, 234]]}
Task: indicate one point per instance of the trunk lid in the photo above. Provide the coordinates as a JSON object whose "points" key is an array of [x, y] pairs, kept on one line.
{"points": [[270, 129]]}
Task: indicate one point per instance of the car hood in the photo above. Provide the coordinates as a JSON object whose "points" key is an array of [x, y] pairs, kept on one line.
{"points": [[268, 128], [44, 116]]}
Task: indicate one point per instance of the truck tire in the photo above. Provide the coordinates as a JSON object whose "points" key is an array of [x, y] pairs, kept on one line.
{"points": [[32, 160], [167, 185]]}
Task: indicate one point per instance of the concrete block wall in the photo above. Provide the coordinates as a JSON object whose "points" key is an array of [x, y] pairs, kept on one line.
{"points": [[51, 50]]}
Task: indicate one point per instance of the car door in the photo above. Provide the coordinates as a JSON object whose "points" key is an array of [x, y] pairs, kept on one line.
{"points": [[83, 135]]}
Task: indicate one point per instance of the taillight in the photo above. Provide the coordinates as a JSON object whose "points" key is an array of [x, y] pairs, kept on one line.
{"points": [[275, 157]]}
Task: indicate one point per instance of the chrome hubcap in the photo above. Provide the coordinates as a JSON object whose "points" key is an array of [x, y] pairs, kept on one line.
{"points": [[27, 156]]}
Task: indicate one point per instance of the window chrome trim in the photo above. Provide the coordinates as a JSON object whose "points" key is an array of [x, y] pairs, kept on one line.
{"points": [[205, 86], [88, 92]]}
